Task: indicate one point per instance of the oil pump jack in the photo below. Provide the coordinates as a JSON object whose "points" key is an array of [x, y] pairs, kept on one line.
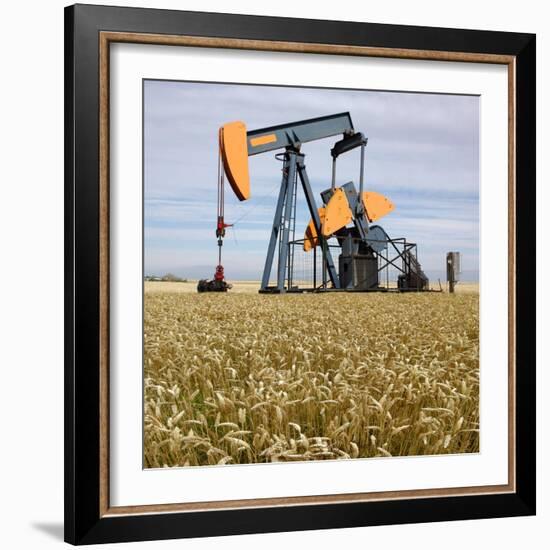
{"points": [[363, 248]]}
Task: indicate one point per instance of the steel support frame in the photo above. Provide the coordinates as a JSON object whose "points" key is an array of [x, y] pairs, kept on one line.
{"points": [[277, 220], [293, 166]]}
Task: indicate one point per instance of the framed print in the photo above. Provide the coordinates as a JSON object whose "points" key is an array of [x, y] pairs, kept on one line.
{"points": [[300, 283]]}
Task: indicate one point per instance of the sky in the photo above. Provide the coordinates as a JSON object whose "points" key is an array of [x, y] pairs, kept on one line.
{"points": [[422, 153]]}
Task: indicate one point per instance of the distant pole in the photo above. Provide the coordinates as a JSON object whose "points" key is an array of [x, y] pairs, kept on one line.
{"points": [[453, 269]]}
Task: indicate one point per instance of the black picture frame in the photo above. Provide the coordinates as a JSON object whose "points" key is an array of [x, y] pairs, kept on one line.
{"points": [[84, 523]]}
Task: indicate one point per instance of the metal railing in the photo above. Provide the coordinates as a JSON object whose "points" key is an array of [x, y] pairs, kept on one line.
{"points": [[398, 267]]}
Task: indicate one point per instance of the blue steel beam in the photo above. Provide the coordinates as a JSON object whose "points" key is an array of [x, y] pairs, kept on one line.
{"points": [[291, 174], [276, 225], [293, 134]]}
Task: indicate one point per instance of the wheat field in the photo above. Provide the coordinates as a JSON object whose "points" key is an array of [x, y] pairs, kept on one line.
{"points": [[245, 378]]}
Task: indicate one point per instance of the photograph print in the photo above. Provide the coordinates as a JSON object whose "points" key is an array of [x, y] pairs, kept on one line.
{"points": [[311, 274]]}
